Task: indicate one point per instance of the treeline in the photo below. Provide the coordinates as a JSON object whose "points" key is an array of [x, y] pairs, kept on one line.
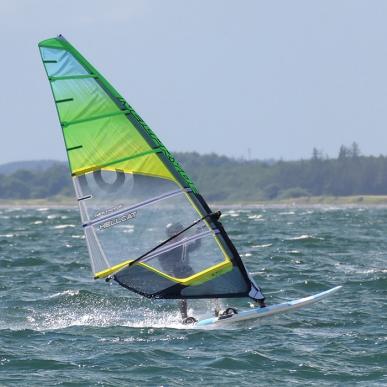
{"points": [[220, 178], [36, 184]]}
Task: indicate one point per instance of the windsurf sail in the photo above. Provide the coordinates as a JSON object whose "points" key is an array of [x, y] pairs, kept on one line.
{"points": [[146, 224]]}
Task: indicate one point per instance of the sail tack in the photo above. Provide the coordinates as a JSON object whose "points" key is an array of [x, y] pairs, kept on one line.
{"points": [[133, 194]]}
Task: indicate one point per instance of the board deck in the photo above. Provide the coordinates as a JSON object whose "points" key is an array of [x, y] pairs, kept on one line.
{"points": [[256, 313]]}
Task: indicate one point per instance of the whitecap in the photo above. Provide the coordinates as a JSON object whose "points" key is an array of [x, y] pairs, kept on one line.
{"points": [[263, 246], [60, 226], [64, 293], [303, 237], [254, 273], [372, 271], [232, 213], [255, 216]]}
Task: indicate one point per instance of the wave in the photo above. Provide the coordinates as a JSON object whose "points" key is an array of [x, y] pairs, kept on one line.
{"points": [[305, 237], [64, 293], [295, 252], [259, 216], [78, 236], [262, 246], [246, 255]]}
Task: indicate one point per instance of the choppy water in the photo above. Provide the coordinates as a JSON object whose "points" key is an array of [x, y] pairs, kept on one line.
{"points": [[59, 327]]}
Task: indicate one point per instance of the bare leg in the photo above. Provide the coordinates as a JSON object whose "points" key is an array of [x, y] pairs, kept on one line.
{"points": [[183, 306], [261, 303], [216, 307]]}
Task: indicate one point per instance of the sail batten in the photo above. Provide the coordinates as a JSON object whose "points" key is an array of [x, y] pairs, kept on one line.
{"points": [[74, 148], [64, 100], [86, 119], [132, 192], [71, 77]]}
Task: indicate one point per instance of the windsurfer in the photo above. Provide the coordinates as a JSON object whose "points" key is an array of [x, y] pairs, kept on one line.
{"points": [[176, 261]]}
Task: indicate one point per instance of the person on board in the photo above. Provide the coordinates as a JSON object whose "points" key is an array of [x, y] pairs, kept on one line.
{"points": [[176, 262]]}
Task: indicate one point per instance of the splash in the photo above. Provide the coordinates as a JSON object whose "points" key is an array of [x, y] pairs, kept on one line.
{"points": [[73, 307]]}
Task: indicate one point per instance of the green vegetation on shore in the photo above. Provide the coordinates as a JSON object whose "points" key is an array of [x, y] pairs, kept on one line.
{"points": [[348, 179]]}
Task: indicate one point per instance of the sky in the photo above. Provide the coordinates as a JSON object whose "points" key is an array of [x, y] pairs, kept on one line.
{"points": [[251, 78]]}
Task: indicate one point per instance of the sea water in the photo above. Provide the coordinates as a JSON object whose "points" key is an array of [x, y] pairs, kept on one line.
{"points": [[60, 327]]}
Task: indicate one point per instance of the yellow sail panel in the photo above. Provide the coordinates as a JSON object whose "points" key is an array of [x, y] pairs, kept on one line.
{"points": [[195, 279], [128, 152]]}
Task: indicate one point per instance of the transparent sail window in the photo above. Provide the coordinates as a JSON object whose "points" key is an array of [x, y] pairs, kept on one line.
{"points": [[103, 193], [61, 63], [130, 235]]}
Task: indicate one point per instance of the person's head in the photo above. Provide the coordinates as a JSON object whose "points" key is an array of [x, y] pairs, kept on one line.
{"points": [[173, 229]]}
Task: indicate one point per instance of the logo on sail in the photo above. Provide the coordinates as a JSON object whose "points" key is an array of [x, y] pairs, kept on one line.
{"points": [[108, 211], [118, 220]]}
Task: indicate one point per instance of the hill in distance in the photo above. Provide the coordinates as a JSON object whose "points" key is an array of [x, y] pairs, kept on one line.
{"points": [[31, 165], [225, 179]]}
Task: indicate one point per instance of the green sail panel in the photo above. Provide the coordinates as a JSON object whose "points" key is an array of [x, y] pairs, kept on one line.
{"points": [[132, 192]]}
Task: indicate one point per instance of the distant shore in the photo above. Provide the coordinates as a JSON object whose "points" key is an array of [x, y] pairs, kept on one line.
{"points": [[355, 200], [308, 201]]}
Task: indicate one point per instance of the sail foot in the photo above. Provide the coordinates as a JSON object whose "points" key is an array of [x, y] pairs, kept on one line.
{"points": [[256, 292]]}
